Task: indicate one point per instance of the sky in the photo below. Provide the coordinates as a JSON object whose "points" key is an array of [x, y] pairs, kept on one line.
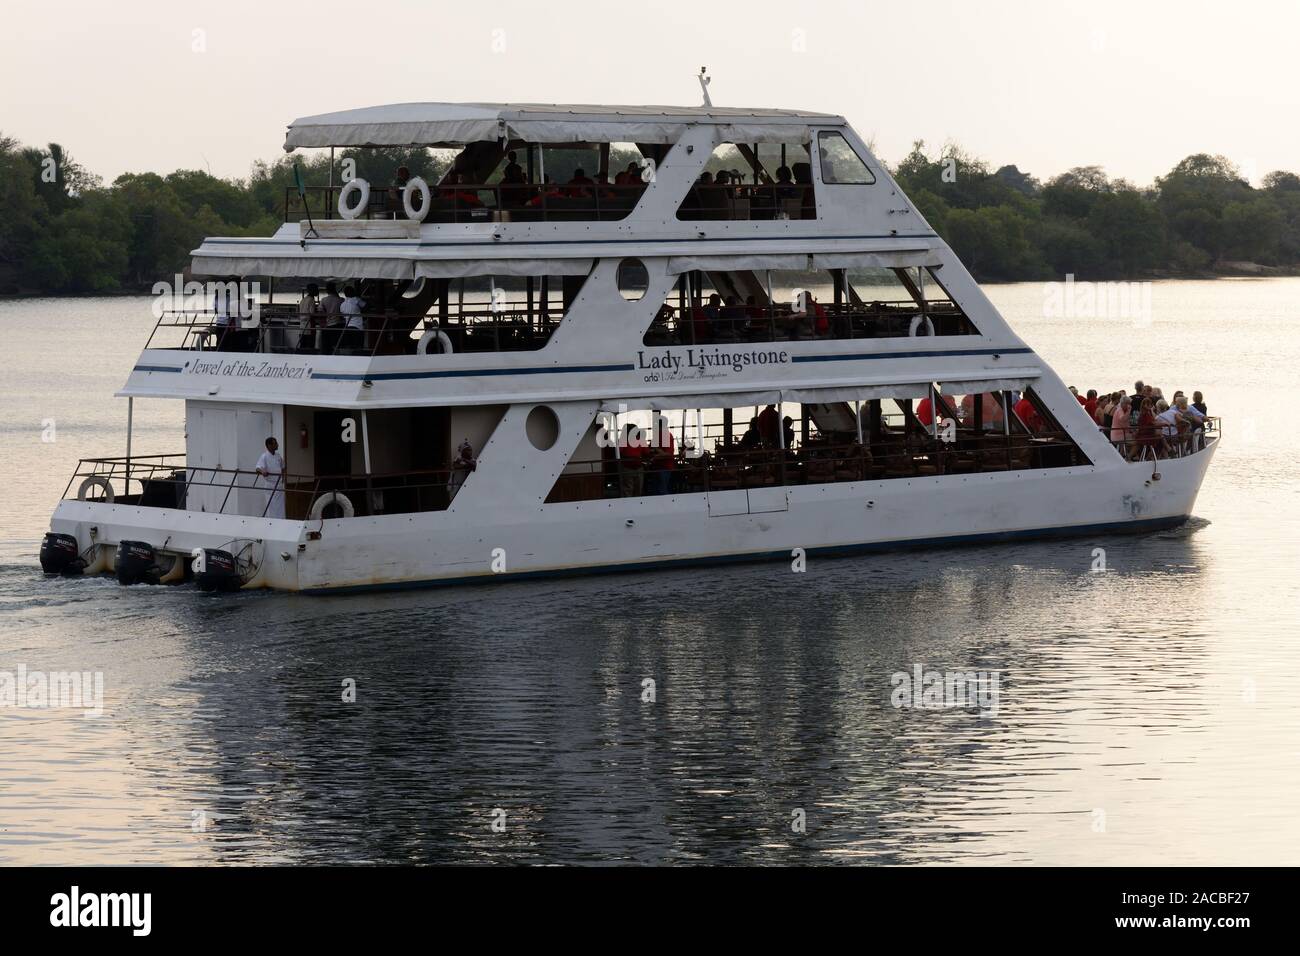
{"points": [[1132, 86]]}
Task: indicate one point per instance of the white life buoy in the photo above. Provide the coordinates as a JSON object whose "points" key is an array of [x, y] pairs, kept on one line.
{"points": [[444, 343], [332, 498], [417, 185], [916, 324], [95, 481], [351, 212]]}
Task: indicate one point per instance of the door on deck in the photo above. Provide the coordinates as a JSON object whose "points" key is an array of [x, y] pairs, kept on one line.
{"points": [[211, 445], [252, 429]]}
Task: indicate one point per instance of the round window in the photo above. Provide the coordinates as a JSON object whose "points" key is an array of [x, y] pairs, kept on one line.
{"points": [[543, 427], [633, 279]]}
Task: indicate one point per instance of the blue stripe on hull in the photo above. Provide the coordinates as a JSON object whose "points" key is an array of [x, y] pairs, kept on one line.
{"points": [[993, 537]]}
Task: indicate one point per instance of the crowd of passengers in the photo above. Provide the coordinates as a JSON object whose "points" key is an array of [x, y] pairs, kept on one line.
{"points": [[721, 195], [459, 190], [726, 195], [727, 319], [1144, 425], [647, 462]]}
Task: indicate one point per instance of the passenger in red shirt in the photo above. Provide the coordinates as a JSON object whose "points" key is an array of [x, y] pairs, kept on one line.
{"points": [[1026, 412]]}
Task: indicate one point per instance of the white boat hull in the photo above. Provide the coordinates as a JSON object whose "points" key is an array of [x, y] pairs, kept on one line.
{"points": [[517, 539]]}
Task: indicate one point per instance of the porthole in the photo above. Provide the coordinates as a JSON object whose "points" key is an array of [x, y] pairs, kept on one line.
{"points": [[542, 427], [633, 279]]}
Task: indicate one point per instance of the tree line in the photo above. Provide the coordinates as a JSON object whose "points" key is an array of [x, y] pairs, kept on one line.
{"points": [[63, 231]]}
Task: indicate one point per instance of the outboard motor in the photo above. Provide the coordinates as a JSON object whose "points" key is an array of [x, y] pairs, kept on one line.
{"points": [[137, 563], [215, 570], [60, 554]]}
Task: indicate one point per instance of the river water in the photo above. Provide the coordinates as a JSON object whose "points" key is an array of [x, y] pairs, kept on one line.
{"points": [[1146, 713]]}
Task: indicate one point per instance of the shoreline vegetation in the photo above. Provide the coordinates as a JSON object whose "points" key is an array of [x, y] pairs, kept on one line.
{"points": [[63, 232]]}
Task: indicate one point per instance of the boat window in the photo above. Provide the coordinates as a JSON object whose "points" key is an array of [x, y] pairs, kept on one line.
{"points": [[841, 165], [633, 279], [762, 448], [709, 306], [491, 182], [753, 181], [542, 427], [430, 315]]}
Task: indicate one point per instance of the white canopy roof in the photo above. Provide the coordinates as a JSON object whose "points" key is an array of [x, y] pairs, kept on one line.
{"points": [[444, 124]]}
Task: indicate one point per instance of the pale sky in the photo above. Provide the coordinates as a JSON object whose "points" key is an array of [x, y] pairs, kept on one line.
{"points": [[1132, 86]]}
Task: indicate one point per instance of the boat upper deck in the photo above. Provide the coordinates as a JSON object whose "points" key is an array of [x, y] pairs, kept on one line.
{"points": [[515, 181]]}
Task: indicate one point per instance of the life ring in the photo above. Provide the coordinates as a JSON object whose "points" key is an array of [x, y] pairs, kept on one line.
{"points": [[332, 498], [351, 212], [444, 342], [417, 185], [96, 481], [916, 324]]}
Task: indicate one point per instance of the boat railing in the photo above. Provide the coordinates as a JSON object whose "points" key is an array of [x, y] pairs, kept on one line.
{"points": [[731, 467], [477, 202], [1162, 442], [284, 330], [166, 481]]}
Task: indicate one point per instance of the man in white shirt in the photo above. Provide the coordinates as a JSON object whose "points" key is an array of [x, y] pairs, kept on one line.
{"points": [[354, 329], [270, 472]]}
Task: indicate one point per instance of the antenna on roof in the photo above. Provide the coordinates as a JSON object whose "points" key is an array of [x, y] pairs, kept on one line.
{"points": [[705, 80]]}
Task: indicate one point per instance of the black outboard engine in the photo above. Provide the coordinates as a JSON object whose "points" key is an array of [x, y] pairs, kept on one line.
{"points": [[60, 554], [137, 563], [215, 570]]}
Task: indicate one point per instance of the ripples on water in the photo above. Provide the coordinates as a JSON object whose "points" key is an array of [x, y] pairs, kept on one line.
{"points": [[1153, 701]]}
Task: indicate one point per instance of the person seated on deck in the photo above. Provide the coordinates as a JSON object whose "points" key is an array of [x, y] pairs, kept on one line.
{"points": [[1195, 421], [513, 173], [731, 319], [809, 318], [1121, 431], [785, 187], [660, 458], [756, 317], [752, 440], [1171, 424], [787, 432], [925, 414], [803, 180], [579, 187], [455, 190], [549, 192], [461, 466], [712, 313], [1148, 440], [514, 185], [1198, 403], [1090, 403], [631, 462]]}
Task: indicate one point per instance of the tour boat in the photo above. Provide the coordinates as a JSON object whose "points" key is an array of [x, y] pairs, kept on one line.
{"points": [[698, 273]]}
